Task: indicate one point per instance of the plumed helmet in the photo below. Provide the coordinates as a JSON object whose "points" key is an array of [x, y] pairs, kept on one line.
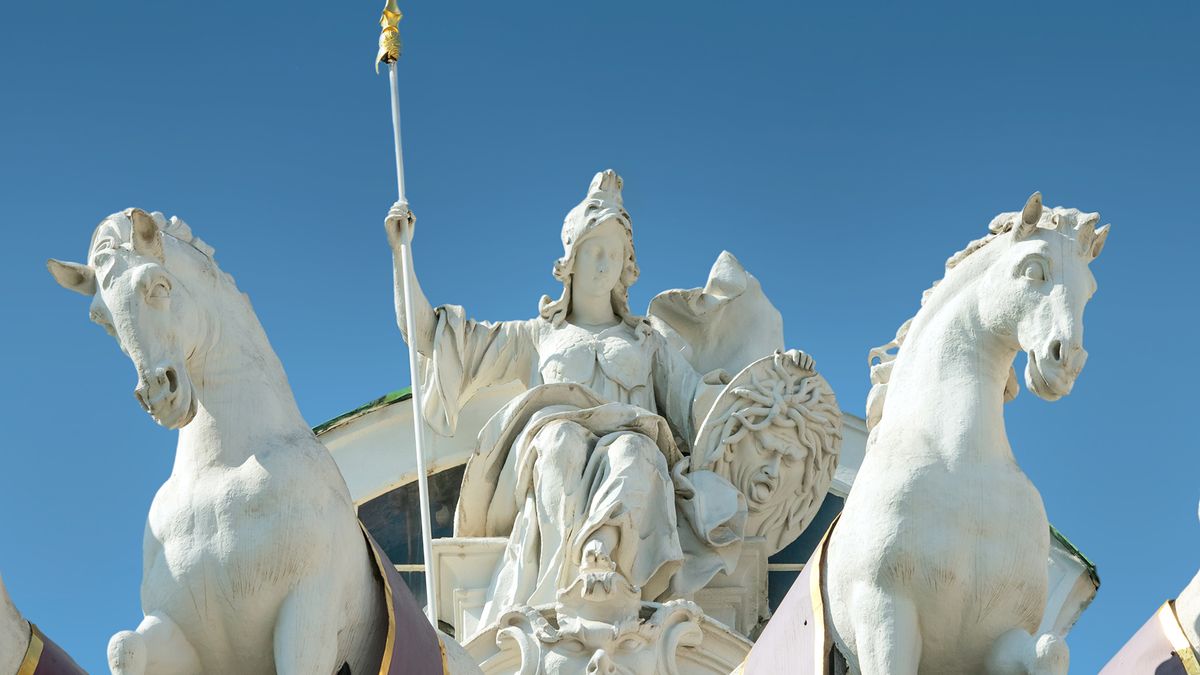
{"points": [[603, 202]]}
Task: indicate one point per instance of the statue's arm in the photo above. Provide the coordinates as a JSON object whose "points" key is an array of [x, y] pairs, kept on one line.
{"points": [[468, 356], [399, 224]]}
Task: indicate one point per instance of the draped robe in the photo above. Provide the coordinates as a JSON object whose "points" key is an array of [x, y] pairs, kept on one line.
{"points": [[589, 444], [599, 436]]}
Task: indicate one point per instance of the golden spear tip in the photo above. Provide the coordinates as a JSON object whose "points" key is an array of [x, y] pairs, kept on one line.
{"points": [[389, 37]]}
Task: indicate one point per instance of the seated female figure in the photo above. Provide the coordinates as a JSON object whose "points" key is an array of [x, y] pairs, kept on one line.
{"points": [[576, 470]]}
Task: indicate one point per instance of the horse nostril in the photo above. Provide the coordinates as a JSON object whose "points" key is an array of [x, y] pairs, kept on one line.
{"points": [[1056, 350], [140, 395], [172, 380]]}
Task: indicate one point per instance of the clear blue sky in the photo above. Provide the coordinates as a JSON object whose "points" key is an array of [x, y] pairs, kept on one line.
{"points": [[843, 152]]}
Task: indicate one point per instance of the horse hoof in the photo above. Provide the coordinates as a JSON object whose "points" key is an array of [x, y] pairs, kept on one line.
{"points": [[1018, 653], [1052, 656], [127, 653]]}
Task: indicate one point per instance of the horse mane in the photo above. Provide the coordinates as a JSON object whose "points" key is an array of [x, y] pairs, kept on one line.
{"points": [[1076, 225], [175, 228]]}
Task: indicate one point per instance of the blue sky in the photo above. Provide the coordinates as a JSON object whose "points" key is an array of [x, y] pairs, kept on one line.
{"points": [[842, 152]]}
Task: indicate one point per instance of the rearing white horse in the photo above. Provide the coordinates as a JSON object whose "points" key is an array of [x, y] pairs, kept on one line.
{"points": [[254, 561], [938, 563]]}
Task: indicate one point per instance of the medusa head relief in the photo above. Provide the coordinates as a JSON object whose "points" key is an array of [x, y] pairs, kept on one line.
{"points": [[775, 433]]}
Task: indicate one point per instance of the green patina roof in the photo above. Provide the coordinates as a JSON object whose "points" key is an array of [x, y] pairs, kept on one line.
{"points": [[381, 402], [406, 393], [1091, 566]]}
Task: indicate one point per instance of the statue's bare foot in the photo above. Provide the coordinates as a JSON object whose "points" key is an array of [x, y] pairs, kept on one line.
{"points": [[600, 549], [597, 570], [596, 557]]}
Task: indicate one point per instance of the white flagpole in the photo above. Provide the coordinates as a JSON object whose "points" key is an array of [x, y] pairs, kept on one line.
{"points": [[389, 52]]}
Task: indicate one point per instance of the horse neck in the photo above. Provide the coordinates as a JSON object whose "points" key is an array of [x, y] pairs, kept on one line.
{"points": [[949, 377], [244, 400]]}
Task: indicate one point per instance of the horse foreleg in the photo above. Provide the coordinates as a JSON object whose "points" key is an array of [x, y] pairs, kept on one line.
{"points": [[887, 637], [305, 632], [157, 646]]}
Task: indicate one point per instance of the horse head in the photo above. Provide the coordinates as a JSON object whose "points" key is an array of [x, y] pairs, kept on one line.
{"points": [[139, 269], [1034, 290]]}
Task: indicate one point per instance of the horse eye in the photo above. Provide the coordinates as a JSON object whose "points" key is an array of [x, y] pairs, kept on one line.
{"points": [[160, 290], [1034, 271]]}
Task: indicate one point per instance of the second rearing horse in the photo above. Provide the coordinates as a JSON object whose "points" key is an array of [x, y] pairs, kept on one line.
{"points": [[938, 563]]}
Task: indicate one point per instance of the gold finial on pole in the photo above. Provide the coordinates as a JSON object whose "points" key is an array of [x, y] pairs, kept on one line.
{"points": [[389, 37]]}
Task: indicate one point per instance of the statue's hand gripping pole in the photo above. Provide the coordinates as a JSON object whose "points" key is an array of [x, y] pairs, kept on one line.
{"points": [[389, 53]]}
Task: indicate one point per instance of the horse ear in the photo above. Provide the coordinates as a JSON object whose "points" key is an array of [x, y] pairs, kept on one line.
{"points": [[147, 237], [73, 276], [1030, 215], [1098, 241]]}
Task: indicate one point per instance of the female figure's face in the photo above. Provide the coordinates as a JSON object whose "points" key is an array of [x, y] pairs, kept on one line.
{"points": [[600, 260]]}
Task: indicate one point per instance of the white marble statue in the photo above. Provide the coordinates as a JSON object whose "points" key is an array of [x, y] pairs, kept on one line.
{"points": [[14, 634], [577, 471], [938, 563], [254, 561]]}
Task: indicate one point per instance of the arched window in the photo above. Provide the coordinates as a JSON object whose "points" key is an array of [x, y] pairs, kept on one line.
{"points": [[394, 519]]}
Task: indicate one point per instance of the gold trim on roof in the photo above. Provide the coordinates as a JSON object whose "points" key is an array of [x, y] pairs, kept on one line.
{"points": [[1184, 649], [820, 635]]}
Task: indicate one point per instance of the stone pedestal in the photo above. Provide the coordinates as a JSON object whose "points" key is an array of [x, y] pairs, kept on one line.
{"points": [[739, 600], [675, 637], [465, 566], [464, 570]]}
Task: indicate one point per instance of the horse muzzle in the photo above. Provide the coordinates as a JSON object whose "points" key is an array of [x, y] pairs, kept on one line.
{"points": [[167, 395], [1051, 372]]}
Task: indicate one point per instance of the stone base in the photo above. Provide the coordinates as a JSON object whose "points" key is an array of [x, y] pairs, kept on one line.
{"points": [[527, 641], [739, 600], [465, 566], [464, 571]]}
